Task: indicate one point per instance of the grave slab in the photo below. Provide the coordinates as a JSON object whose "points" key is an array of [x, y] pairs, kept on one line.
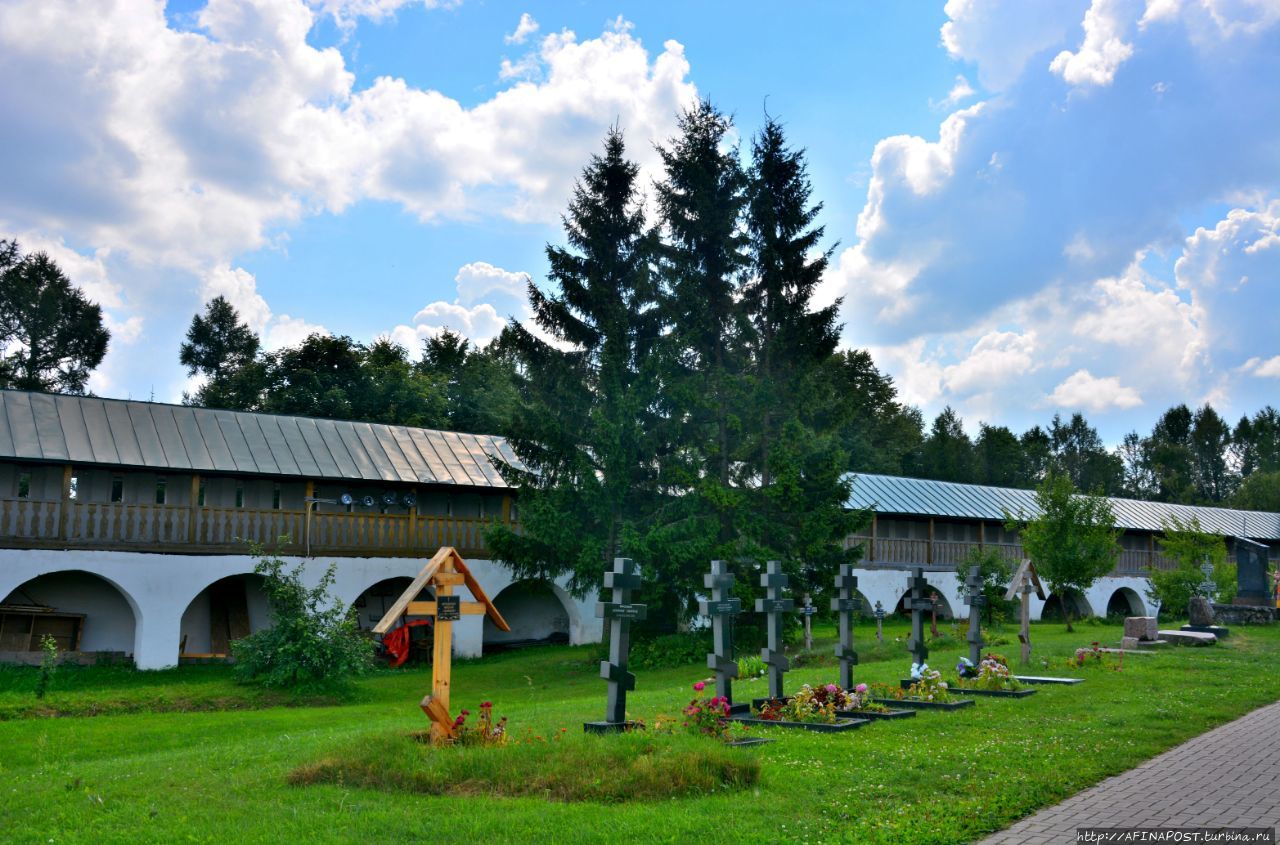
{"points": [[921, 704], [1188, 638], [1037, 679], [1217, 630], [839, 726], [1132, 644]]}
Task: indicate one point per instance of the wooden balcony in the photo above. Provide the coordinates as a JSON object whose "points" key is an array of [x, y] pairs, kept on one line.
{"points": [[31, 524], [945, 554]]}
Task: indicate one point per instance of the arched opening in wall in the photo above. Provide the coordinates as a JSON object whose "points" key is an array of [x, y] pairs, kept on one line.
{"points": [[939, 600], [535, 614], [223, 612], [81, 611], [1125, 602], [1055, 604], [371, 605]]}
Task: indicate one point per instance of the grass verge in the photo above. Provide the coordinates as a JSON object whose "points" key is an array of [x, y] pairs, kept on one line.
{"points": [[573, 767]]}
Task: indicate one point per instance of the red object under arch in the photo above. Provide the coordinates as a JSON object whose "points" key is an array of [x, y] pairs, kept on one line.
{"points": [[397, 642]]}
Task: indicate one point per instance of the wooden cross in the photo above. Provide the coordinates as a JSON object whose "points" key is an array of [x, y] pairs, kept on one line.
{"points": [[844, 605], [976, 600], [721, 608], [774, 605], [1025, 582], [620, 611], [445, 571], [917, 603]]}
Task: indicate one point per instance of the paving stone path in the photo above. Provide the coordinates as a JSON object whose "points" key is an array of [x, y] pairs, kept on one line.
{"points": [[1228, 777]]}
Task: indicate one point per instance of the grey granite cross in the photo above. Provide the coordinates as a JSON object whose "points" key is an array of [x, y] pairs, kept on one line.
{"points": [[774, 605], [620, 612], [976, 600], [844, 605], [918, 602], [721, 607]]}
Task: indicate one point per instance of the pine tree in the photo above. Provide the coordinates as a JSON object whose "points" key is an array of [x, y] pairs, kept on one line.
{"points": [[224, 350], [584, 426]]}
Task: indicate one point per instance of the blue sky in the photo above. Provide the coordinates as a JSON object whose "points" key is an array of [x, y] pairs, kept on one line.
{"points": [[1041, 206]]}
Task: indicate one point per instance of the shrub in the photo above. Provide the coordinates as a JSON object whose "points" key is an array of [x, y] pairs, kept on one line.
{"points": [[48, 664], [1189, 545], [313, 641], [670, 650]]}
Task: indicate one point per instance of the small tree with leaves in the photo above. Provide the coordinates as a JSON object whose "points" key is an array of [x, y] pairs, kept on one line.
{"points": [[313, 641], [1072, 539], [1189, 546]]}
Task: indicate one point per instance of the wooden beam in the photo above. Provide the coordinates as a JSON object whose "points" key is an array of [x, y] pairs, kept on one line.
{"points": [[428, 608], [871, 547], [193, 505], [451, 579], [424, 577], [66, 502], [982, 534], [929, 553]]}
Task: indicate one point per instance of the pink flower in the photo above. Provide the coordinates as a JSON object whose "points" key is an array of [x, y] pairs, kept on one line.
{"points": [[832, 688], [860, 689], [699, 686]]}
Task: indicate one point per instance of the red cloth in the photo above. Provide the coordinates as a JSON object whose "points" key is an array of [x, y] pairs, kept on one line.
{"points": [[397, 642]]}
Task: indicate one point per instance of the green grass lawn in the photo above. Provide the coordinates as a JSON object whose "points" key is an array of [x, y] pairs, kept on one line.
{"points": [[198, 773]]}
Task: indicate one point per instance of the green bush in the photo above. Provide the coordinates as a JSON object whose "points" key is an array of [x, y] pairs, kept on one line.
{"points": [[669, 650], [1189, 546], [48, 664], [313, 641]]}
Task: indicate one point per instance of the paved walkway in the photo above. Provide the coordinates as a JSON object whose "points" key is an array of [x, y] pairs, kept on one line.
{"points": [[1228, 777]]}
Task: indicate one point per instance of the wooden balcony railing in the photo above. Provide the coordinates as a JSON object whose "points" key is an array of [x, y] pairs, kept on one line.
{"points": [[884, 551], [27, 523]]}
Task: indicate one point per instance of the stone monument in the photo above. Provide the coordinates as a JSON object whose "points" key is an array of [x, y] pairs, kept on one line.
{"points": [[721, 607], [1140, 632], [976, 601], [620, 612], [774, 580], [1253, 587], [917, 603], [844, 606], [1200, 608]]}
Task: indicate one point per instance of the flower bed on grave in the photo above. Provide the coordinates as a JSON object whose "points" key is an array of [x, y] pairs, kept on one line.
{"points": [[811, 708], [925, 691], [990, 677], [850, 704]]}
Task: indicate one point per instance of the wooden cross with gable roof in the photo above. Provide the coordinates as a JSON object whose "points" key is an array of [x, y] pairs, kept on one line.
{"points": [[443, 572]]}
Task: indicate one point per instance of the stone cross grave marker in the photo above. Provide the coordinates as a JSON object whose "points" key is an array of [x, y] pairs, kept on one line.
{"points": [[621, 613], [774, 580], [1207, 587], [976, 600], [918, 602], [844, 605], [721, 607], [879, 621]]}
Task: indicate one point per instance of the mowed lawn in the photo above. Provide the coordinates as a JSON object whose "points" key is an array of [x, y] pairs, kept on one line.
{"points": [[219, 776]]}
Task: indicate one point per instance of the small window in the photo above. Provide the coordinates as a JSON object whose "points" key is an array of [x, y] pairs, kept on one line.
{"points": [[161, 484], [275, 498], [239, 494], [24, 485], [117, 488], [73, 488], [200, 494]]}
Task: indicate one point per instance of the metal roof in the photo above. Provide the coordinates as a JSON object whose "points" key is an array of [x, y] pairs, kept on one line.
{"points": [[116, 432], [920, 497]]}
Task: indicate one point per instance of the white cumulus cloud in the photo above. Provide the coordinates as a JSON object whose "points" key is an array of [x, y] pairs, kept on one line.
{"points": [[1084, 391], [526, 27]]}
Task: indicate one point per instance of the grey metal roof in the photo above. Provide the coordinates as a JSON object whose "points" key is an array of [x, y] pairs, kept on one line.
{"points": [[915, 496], [116, 432]]}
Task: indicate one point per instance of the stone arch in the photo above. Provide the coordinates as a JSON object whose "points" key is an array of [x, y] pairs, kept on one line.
{"points": [[1126, 602], [225, 610], [100, 615], [376, 599], [1054, 604], [537, 611], [944, 605]]}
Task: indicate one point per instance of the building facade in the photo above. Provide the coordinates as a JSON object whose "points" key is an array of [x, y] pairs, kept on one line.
{"points": [[125, 528]]}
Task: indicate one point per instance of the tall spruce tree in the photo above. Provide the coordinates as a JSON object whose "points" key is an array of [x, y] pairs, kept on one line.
{"points": [[224, 349], [800, 510], [584, 425], [703, 262]]}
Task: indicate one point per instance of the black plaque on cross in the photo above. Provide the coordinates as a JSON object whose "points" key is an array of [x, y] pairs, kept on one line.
{"points": [[844, 604], [721, 607], [448, 608], [620, 612], [918, 603], [974, 597], [774, 580]]}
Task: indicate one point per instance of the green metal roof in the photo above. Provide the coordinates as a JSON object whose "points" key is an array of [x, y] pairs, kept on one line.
{"points": [[116, 432], [921, 497]]}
